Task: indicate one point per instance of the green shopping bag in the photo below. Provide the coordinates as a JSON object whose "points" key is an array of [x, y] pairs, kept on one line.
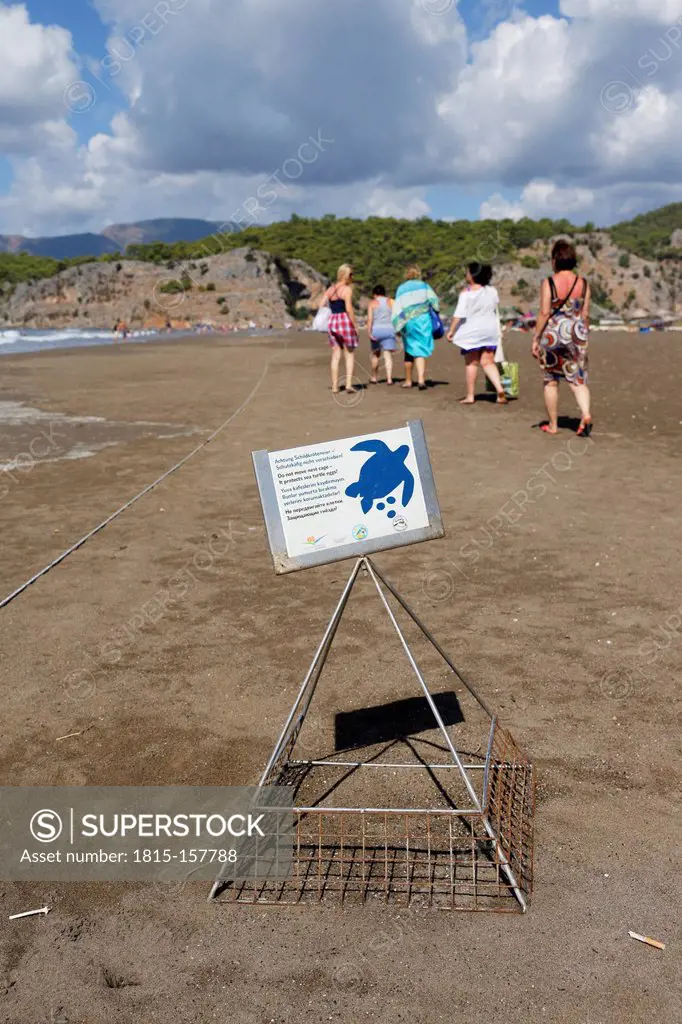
{"points": [[509, 372], [510, 379]]}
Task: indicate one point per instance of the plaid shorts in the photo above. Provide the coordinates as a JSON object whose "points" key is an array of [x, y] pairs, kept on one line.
{"points": [[342, 332]]}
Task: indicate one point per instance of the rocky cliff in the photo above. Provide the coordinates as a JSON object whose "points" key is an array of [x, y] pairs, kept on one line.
{"points": [[620, 281], [232, 289]]}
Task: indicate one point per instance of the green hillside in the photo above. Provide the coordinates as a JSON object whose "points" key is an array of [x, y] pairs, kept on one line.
{"points": [[22, 266], [378, 248], [649, 234]]}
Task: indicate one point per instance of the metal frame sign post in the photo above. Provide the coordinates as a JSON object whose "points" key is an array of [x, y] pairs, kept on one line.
{"points": [[468, 843], [346, 499]]}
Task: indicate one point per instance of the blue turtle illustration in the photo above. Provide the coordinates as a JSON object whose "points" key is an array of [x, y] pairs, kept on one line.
{"points": [[381, 474]]}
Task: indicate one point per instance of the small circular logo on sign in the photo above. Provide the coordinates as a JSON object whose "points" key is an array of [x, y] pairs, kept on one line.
{"points": [[360, 532], [400, 524]]}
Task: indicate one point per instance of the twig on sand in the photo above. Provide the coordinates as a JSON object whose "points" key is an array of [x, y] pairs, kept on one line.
{"points": [[70, 734]]}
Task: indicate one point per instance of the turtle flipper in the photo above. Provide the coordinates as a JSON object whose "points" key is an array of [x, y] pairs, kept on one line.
{"points": [[408, 488], [366, 504], [370, 446], [353, 490]]}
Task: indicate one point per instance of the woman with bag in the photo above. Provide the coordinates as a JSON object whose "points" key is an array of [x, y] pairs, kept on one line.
{"points": [[476, 330], [561, 336], [415, 317], [342, 328]]}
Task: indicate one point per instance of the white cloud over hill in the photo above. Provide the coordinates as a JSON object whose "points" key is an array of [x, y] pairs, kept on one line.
{"points": [[35, 69], [579, 113]]}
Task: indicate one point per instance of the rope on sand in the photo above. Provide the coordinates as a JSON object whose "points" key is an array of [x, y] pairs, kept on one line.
{"points": [[123, 508]]}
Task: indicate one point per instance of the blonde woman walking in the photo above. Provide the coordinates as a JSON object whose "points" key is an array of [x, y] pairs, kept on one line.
{"points": [[343, 330]]}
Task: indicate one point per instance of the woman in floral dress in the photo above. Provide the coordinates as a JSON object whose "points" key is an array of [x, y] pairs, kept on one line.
{"points": [[561, 337]]}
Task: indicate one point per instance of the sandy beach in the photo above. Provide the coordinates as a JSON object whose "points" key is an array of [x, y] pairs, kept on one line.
{"points": [[548, 612]]}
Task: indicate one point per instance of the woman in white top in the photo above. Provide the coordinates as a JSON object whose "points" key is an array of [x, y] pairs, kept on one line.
{"points": [[475, 329]]}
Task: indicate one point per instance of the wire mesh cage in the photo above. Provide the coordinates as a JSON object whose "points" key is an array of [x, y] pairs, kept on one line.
{"points": [[466, 841], [443, 859]]}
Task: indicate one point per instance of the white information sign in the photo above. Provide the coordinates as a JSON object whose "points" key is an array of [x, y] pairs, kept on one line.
{"points": [[334, 500]]}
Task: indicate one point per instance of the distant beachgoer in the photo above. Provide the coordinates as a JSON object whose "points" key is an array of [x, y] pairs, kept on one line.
{"points": [[381, 333], [342, 331], [475, 328], [121, 329], [562, 334], [414, 301]]}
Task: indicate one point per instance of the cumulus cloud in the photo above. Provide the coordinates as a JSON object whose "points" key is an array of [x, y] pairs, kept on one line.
{"points": [[578, 114], [387, 202], [244, 86], [605, 205], [542, 199], [568, 100], [499, 208], [35, 70], [661, 11]]}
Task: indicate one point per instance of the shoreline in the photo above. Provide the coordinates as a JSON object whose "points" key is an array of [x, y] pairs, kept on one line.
{"points": [[22, 347]]}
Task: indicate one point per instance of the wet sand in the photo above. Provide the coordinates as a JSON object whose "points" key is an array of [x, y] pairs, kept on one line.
{"points": [[549, 613]]}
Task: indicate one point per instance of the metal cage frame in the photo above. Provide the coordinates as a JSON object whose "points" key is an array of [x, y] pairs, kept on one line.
{"points": [[474, 857]]}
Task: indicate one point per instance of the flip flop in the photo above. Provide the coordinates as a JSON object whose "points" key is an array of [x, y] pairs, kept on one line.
{"points": [[544, 427]]}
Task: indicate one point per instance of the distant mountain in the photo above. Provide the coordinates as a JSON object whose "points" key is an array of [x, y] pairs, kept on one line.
{"points": [[65, 247], [168, 230], [112, 239]]}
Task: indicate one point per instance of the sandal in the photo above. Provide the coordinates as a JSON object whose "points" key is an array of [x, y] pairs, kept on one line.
{"points": [[585, 428], [502, 398], [546, 429]]}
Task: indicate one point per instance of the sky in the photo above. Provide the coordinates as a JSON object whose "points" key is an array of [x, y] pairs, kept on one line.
{"points": [[250, 110]]}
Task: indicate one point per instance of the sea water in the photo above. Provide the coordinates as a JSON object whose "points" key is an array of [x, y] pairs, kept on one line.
{"points": [[19, 340], [15, 340]]}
